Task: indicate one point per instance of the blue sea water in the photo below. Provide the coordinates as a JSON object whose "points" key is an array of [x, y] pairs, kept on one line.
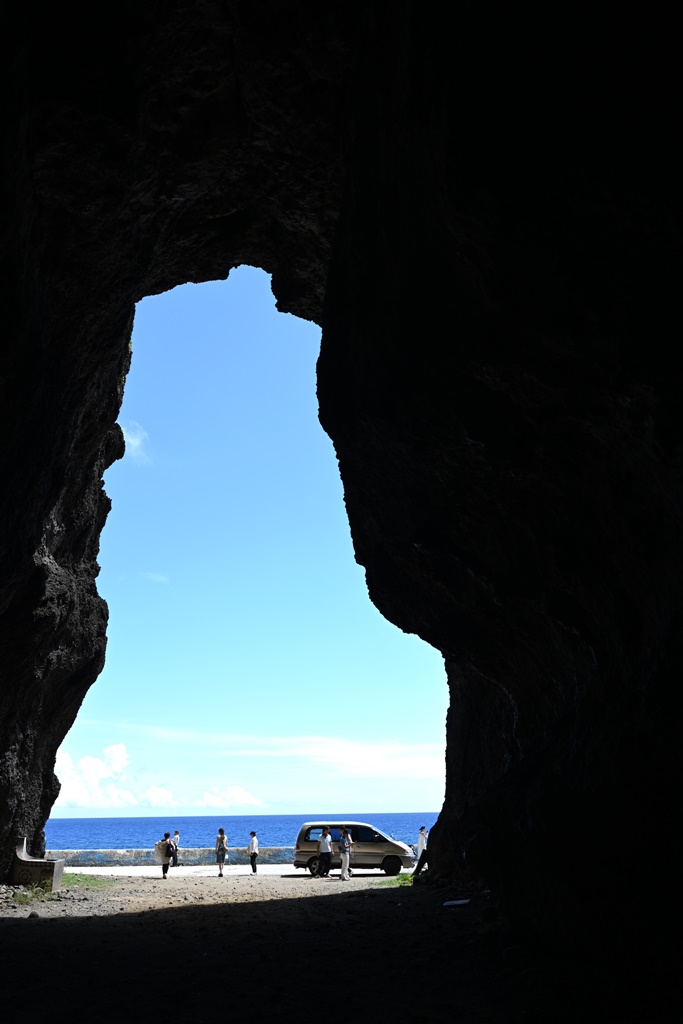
{"points": [[200, 832]]}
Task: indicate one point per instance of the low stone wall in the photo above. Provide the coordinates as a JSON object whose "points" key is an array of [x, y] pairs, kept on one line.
{"points": [[188, 858]]}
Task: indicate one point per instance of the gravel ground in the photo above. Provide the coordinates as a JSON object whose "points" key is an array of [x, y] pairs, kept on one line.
{"points": [[143, 889], [279, 941]]}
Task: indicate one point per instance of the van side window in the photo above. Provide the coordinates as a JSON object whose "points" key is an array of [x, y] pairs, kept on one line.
{"points": [[314, 834], [364, 835], [335, 833]]}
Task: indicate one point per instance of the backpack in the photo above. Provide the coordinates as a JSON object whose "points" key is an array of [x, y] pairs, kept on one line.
{"points": [[169, 848]]}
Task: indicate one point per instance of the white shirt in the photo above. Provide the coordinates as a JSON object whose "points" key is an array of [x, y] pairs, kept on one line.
{"points": [[421, 842], [253, 845], [325, 842]]}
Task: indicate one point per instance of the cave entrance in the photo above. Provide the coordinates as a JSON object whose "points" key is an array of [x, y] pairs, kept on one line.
{"points": [[247, 671]]}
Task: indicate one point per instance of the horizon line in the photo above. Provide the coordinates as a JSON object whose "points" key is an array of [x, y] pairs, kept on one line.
{"points": [[288, 814]]}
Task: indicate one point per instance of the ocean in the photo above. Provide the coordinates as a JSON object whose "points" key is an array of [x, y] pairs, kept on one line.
{"points": [[200, 832]]}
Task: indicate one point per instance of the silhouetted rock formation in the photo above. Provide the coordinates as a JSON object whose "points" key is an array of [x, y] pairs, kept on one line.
{"points": [[487, 230]]}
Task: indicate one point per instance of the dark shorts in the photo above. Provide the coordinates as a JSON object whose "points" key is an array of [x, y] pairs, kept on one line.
{"points": [[220, 856]]}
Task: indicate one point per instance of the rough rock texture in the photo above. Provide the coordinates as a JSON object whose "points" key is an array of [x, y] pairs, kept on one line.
{"points": [[486, 223], [498, 379], [186, 144]]}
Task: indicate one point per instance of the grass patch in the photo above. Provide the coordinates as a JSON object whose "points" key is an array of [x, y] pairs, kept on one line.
{"points": [[28, 894], [31, 894], [72, 880], [396, 881]]}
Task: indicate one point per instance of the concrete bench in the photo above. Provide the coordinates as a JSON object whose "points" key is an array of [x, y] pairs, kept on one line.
{"points": [[28, 870]]}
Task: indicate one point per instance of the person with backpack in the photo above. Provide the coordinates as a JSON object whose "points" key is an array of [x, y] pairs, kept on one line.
{"points": [[221, 850], [163, 852]]}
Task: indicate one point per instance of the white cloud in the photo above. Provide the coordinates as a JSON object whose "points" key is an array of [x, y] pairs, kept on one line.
{"points": [[85, 784], [377, 760], [352, 757], [155, 577], [135, 437], [157, 796], [383, 759], [323, 749], [228, 798], [280, 769], [95, 782]]}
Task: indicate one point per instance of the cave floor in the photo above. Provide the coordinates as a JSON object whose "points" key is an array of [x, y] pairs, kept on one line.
{"points": [[255, 944]]}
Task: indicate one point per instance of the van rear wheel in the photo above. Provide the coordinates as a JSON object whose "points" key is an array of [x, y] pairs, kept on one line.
{"points": [[313, 865], [391, 865]]}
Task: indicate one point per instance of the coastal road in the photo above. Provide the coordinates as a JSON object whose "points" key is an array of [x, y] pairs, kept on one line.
{"points": [[209, 871]]}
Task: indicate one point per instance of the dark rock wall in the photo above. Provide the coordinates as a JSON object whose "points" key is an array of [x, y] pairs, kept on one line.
{"points": [[190, 139], [498, 378], [485, 221]]}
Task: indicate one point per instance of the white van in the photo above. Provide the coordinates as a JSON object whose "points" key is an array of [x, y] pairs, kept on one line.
{"points": [[371, 848]]}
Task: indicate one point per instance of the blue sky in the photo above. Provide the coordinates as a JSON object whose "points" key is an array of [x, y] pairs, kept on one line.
{"points": [[247, 670]]}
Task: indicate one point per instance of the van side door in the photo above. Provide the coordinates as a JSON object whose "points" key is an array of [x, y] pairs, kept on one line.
{"points": [[370, 847]]}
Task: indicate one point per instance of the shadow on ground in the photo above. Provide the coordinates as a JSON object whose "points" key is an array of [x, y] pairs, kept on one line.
{"points": [[371, 954]]}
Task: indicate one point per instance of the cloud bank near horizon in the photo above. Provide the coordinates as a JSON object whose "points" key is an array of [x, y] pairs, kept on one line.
{"points": [[98, 783], [263, 772]]}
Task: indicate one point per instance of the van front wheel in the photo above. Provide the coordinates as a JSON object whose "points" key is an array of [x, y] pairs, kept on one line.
{"points": [[313, 865], [391, 865]]}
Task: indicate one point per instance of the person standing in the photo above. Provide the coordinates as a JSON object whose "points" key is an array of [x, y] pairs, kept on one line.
{"points": [[252, 850], [163, 851], [221, 850], [324, 853], [345, 852], [176, 843], [422, 855], [352, 843]]}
